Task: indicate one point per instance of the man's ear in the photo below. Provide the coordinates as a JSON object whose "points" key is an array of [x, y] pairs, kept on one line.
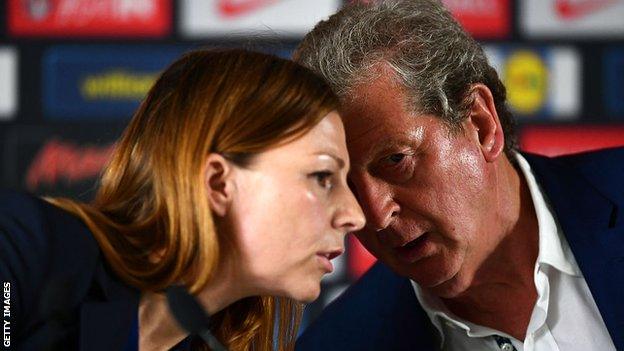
{"points": [[485, 122], [219, 183]]}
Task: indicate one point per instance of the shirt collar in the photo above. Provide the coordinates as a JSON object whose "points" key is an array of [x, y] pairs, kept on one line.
{"points": [[442, 318], [553, 247]]}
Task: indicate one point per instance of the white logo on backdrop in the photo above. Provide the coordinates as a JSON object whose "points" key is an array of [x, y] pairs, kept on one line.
{"points": [[572, 18], [224, 18], [8, 83]]}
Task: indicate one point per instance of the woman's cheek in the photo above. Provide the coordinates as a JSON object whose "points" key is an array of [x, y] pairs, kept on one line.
{"points": [[317, 209]]}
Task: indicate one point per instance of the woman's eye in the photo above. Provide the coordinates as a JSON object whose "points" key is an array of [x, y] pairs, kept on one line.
{"points": [[323, 178]]}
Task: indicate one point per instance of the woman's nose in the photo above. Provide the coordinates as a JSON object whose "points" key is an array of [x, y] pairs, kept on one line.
{"points": [[349, 216]]}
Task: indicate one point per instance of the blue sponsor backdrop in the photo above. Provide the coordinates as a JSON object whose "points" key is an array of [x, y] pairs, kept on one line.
{"points": [[106, 82], [101, 82], [613, 70], [543, 82]]}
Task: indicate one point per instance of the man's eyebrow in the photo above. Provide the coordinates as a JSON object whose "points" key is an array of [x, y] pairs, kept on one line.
{"points": [[408, 139], [390, 146]]}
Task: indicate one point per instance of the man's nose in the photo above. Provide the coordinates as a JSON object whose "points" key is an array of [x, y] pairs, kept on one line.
{"points": [[376, 199]]}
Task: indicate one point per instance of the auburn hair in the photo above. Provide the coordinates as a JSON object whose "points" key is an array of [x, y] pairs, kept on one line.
{"points": [[152, 198]]}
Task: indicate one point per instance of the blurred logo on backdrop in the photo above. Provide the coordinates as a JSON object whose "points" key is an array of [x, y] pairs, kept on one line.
{"points": [[116, 84], [526, 79], [59, 160], [8, 82], [613, 77], [235, 8], [253, 18], [114, 18], [541, 82], [100, 82], [575, 9], [572, 18], [483, 19]]}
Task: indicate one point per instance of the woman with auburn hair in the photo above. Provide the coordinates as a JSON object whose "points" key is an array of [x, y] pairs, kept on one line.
{"points": [[230, 181]]}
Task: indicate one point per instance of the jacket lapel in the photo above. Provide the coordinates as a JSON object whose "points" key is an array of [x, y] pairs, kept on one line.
{"points": [[379, 312], [106, 323], [589, 220], [411, 320]]}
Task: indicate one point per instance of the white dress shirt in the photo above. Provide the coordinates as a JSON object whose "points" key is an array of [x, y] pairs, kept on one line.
{"points": [[565, 316]]}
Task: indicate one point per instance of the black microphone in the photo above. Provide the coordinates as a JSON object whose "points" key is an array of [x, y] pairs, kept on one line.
{"points": [[191, 315]]}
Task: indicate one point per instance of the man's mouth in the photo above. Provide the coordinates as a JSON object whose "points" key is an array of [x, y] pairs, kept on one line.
{"points": [[414, 250]]}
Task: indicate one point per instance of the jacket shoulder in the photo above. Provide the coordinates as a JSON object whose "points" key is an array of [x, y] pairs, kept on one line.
{"points": [[603, 168], [379, 312], [609, 158], [31, 226], [46, 255]]}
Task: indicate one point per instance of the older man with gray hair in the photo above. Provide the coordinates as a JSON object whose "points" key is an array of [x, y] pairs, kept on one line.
{"points": [[481, 247]]}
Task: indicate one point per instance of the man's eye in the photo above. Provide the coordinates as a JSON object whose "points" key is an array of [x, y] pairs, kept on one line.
{"points": [[395, 158], [323, 178], [396, 168]]}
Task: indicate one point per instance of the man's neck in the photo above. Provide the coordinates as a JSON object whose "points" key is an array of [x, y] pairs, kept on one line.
{"points": [[503, 292]]}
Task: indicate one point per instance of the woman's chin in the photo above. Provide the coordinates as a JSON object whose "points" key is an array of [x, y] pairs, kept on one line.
{"points": [[306, 295]]}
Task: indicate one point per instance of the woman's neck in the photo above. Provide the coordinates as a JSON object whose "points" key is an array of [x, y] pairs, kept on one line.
{"points": [[158, 329]]}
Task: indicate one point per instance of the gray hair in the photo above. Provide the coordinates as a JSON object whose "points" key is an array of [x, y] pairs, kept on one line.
{"points": [[434, 59]]}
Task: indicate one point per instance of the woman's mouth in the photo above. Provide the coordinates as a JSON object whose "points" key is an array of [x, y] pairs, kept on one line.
{"points": [[326, 257]]}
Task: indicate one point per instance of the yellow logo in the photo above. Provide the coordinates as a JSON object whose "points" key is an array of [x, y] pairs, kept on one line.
{"points": [[526, 80], [117, 85]]}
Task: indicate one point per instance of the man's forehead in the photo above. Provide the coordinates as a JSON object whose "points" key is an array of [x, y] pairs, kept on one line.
{"points": [[379, 81], [384, 121], [358, 129], [378, 141], [376, 118]]}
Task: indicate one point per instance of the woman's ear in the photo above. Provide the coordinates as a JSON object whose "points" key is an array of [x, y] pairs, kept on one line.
{"points": [[219, 183], [485, 122]]}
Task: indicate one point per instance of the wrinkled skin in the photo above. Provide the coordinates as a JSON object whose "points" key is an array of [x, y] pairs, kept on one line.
{"points": [[431, 197]]}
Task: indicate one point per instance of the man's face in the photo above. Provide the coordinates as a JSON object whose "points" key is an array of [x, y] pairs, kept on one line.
{"points": [[427, 193]]}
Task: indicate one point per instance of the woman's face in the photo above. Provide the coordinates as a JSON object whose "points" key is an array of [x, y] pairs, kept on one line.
{"points": [[291, 211]]}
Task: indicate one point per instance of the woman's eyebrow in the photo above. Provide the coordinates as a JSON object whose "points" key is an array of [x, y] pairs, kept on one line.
{"points": [[338, 159]]}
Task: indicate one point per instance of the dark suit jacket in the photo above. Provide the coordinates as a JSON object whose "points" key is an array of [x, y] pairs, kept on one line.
{"points": [[586, 191], [63, 296]]}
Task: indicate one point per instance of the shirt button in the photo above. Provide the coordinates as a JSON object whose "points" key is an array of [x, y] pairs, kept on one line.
{"points": [[506, 347]]}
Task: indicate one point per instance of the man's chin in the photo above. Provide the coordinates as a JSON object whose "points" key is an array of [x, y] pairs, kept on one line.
{"points": [[449, 288], [445, 286]]}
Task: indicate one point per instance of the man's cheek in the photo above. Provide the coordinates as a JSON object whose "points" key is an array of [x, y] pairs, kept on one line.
{"points": [[369, 241]]}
